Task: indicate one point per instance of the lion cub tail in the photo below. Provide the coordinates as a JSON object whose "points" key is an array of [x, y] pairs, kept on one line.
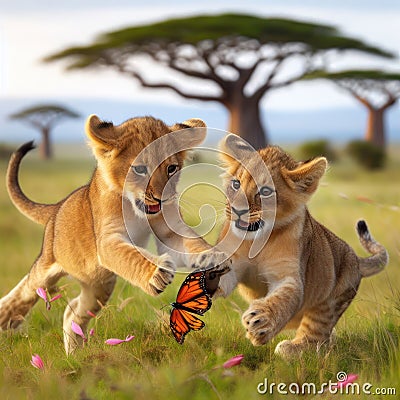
{"points": [[37, 212], [376, 262]]}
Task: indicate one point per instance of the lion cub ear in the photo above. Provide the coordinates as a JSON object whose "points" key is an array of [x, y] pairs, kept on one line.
{"points": [[234, 149], [102, 135], [305, 177], [191, 137], [194, 123]]}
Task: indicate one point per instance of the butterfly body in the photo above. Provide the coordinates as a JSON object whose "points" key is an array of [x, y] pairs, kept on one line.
{"points": [[179, 306]]}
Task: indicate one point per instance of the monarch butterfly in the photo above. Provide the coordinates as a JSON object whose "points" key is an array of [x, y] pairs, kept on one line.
{"points": [[194, 297]]}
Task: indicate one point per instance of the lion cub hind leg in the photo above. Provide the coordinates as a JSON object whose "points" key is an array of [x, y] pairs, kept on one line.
{"points": [[16, 304], [91, 298], [44, 273], [315, 330]]}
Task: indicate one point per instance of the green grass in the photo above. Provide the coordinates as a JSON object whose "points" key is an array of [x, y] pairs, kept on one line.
{"points": [[153, 365]]}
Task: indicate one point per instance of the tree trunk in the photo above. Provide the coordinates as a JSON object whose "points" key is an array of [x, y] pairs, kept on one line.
{"points": [[245, 121], [375, 132], [45, 146]]}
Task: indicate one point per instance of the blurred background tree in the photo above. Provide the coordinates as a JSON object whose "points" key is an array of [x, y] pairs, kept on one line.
{"points": [[367, 154], [376, 90], [232, 59], [44, 117], [317, 148]]}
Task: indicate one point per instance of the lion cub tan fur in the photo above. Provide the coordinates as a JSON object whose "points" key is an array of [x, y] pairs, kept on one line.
{"points": [[304, 277], [85, 235]]}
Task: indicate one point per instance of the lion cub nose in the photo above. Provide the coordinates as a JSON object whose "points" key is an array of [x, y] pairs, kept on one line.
{"points": [[239, 212]]}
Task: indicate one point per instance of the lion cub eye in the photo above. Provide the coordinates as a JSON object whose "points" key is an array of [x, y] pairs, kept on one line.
{"points": [[235, 184], [266, 191], [172, 169], [139, 169]]}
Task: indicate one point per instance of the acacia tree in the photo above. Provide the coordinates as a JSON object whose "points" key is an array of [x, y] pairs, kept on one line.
{"points": [[231, 59], [376, 90], [44, 117]]}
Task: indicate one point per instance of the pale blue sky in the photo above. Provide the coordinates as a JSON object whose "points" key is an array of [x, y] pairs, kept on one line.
{"points": [[29, 30], [45, 5]]}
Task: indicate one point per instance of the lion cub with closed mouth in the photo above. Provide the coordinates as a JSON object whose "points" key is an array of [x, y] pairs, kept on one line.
{"points": [[302, 276], [85, 235]]}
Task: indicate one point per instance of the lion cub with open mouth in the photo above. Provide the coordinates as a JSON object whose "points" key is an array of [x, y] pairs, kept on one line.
{"points": [[294, 272], [85, 235]]}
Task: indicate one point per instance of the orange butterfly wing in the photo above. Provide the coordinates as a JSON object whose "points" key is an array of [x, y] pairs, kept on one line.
{"points": [[193, 295], [182, 322]]}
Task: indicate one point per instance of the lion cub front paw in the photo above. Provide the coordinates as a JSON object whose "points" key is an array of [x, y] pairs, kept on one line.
{"points": [[260, 323], [162, 276], [211, 260]]}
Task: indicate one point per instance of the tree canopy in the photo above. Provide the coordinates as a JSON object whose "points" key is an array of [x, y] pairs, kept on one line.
{"points": [[375, 89], [43, 117], [241, 57], [215, 32]]}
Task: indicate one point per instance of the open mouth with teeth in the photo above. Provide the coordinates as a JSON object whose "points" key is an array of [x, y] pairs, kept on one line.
{"points": [[148, 209], [249, 227]]}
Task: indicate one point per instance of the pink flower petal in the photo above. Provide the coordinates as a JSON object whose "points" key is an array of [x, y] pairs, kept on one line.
{"points": [[77, 329], [350, 379], [113, 342], [233, 361], [91, 332], [56, 297], [93, 315], [37, 362], [42, 293]]}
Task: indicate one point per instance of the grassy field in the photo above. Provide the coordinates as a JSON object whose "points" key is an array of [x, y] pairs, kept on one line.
{"points": [[153, 365]]}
